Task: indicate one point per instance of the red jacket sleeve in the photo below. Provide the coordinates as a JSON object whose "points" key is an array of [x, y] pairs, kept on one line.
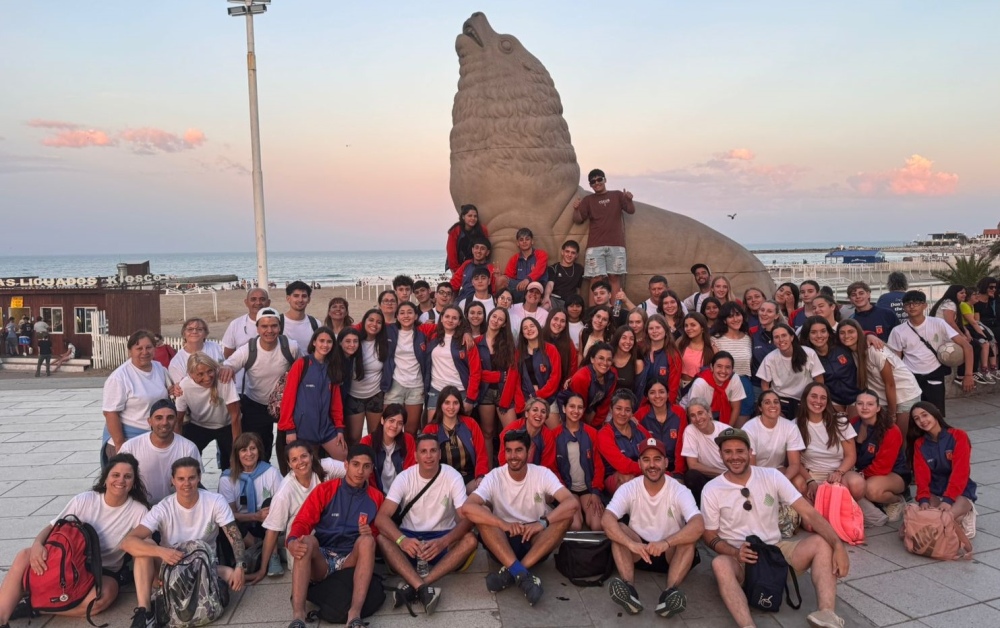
{"points": [[456, 278], [680, 464], [961, 460], [921, 473], [509, 394], [598, 480], [287, 421], [674, 365], [452, 248], [605, 407], [574, 361], [336, 407], [427, 329], [549, 451], [312, 509], [552, 386], [411, 452], [885, 457], [613, 456], [580, 383], [479, 443], [541, 265], [511, 269]]}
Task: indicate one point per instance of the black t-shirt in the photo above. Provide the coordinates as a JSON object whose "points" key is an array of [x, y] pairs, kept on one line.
{"points": [[565, 281]]}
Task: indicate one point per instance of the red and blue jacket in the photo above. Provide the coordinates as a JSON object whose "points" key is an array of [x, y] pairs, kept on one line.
{"points": [[291, 415], [841, 375], [399, 462], [621, 453], [543, 446], [590, 461], [461, 281], [761, 344], [596, 396], [664, 369], [332, 511], [466, 363], [421, 349], [670, 432], [458, 247], [505, 381], [471, 436], [534, 267], [881, 458], [877, 320], [942, 467], [546, 366]]}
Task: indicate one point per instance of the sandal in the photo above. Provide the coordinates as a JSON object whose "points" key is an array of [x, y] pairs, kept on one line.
{"points": [[357, 623]]}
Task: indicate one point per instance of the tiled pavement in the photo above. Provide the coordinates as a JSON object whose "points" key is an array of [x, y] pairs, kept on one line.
{"points": [[49, 430]]}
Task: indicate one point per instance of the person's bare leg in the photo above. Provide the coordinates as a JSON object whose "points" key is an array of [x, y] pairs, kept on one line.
{"points": [[814, 553], [144, 570], [681, 559], [544, 542], [624, 558], [364, 564], [312, 567], [457, 554], [507, 417], [10, 589], [729, 576], [855, 483], [496, 542], [553, 420], [335, 450], [354, 428], [488, 423], [903, 422], [413, 418], [109, 593], [373, 419], [399, 561], [884, 489]]}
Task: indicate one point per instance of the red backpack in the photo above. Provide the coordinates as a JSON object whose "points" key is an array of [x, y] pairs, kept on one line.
{"points": [[73, 568], [837, 506]]}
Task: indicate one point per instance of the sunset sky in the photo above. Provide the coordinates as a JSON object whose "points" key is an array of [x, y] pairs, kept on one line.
{"points": [[124, 124]]}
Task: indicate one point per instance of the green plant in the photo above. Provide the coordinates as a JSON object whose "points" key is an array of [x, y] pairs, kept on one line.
{"points": [[969, 269]]}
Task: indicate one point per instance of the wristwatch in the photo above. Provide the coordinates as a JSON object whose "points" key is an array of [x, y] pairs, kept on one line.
{"points": [[544, 521], [242, 565]]}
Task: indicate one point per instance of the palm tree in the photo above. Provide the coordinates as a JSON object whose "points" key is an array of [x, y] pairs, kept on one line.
{"points": [[969, 269]]}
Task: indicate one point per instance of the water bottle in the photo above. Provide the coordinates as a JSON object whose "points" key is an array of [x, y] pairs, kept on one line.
{"points": [[617, 309], [423, 568]]}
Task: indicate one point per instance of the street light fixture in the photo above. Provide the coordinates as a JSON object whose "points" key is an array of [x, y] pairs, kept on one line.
{"points": [[249, 8]]}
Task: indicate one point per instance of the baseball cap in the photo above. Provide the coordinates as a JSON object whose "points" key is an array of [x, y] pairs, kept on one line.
{"points": [[268, 311], [914, 296], [700, 265], [732, 433], [161, 404], [652, 443], [534, 285]]}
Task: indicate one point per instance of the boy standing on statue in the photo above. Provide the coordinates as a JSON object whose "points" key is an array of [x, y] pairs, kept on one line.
{"points": [[605, 209]]}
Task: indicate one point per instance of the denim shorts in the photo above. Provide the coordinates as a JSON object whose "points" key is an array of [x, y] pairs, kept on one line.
{"points": [[334, 561], [372, 404], [601, 261], [406, 396]]}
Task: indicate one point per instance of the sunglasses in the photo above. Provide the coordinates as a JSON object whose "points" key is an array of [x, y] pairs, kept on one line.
{"points": [[745, 492], [596, 180]]}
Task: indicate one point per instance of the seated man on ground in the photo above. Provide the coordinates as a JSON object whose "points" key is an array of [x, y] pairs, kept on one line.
{"points": [[510, 508], [158, 449], [664, 526], [744, 501], [334, 530], [430, 535], [190, 514]]}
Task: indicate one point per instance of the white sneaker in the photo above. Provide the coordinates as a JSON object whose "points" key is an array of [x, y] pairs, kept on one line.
{"points": [[874, 517], [825, 619], [894, 511], [969, 523]]}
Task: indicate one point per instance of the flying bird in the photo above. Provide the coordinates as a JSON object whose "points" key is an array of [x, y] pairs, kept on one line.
{"points": [[732, 216]]}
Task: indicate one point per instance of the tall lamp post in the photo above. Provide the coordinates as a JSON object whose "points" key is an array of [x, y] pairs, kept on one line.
{"points": [[249, 8]]}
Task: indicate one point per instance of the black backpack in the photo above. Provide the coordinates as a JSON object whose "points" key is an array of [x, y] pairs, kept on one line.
{"points": [[281, 323], [333, 596], [585, 558], [286, 351], [767, 579]]}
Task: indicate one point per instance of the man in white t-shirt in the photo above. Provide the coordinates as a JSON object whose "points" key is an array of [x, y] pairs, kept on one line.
{"points": [[189, 514], [295, 324], [744, 502], [703, 279], [510, 508], [243, 328], [699, 450], [431, 533], [910, 339], [664, 526], [158, 449], [264, 360], [481, 285]]}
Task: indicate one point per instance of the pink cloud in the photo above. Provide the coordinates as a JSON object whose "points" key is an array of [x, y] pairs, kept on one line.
{"points": [[148, 140], [744, 154], [39, 123], [916, 178], [78, 139]]}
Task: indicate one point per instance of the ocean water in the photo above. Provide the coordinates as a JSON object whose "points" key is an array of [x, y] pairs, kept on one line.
{"points": [[327, 267]]}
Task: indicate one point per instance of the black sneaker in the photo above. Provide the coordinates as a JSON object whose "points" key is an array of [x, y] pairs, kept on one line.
{"points": [[429, 597], [496, 582], [672, 602], [23, 610], [403, 594], [531, 586], [624, 594], [143, 618]]}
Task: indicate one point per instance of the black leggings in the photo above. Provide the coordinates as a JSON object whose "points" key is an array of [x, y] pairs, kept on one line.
{"points": [[257, 419], [202, 436], [932, 387]]}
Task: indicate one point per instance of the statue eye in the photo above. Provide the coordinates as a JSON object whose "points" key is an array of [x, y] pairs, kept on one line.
{"points": [[506, 45]]}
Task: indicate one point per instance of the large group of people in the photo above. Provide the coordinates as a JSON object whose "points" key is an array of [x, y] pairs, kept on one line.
{"points": [[519, 401]]}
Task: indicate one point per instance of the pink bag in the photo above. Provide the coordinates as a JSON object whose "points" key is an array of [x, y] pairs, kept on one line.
{"points": [[929, 533], [837, 506]]}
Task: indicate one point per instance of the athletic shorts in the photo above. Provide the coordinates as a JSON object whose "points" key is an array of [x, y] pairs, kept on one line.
{"points": [[601, 261], [23, 341], [490, 397], [406, 396], [787, 546], [906, 406], [334, 561], [372, 404], [426, 536], [659, 563]]}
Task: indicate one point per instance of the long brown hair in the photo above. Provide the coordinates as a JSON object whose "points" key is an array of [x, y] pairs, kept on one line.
{"points": [[669, 344], [860, 350], [242, 442], [830, 420], [561, 341], [503, 344], [315, 464]]}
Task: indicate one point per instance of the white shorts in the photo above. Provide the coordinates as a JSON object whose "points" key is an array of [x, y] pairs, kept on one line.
{"points": [[601, 261]]}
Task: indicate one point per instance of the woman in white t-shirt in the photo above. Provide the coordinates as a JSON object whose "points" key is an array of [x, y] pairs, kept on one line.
{"points": [[830, 451], [447, 341], [306, 472], [699, 449], [407, 351], [366, 398], [721, 387], [115, 505], [790, 369], [395, 450], [194, 331], [774, 440], [129, 392], [248, 488], [212, 408]]}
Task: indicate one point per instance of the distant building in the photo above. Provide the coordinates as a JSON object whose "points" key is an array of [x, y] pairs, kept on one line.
{"points": [[948, 238], [989, 235]]}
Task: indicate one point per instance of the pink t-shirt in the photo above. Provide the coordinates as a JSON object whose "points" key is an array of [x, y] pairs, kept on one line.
{"points": [[691, 363]]}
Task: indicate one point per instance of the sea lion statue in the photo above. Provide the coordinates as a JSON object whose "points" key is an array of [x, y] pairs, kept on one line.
{"points": [[512, 158]]}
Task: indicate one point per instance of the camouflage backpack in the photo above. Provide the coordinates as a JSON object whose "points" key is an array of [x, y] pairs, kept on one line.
{"points": [[191, 594]]}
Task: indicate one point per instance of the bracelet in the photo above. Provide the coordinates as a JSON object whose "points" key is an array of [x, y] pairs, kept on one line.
{"points": [[810, 482], [714, 542], [399, 541]]}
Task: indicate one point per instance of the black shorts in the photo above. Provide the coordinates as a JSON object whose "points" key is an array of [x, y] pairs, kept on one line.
{"points": [[519, 546], [372, 404], [659, 563]]}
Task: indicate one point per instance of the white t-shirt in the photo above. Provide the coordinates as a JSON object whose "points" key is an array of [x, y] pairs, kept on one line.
{"points": [[487, 303], [740, 348], [443, 371], [519, 502], [817, 457], [702, 446], [238, 333], [407, 371], [178, 524], [701, 388], [777, 370], [132, 392], [722, 505], [369, 385], [112, 524], [771, 445], [291, 495], [690, 304], [197, 402], [435, 511], [518, 314], [266, 486], [266, 370], [299, 331], [916, 356], [574, 333], [907, 387], [178, 368], [154, 463], [654, 517]]}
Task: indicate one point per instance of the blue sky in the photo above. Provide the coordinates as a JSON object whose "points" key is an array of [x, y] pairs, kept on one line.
{"points": [[125, 124]]}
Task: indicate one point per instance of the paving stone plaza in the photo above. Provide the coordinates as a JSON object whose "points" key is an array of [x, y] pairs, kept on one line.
{"points": [[49, 433]]}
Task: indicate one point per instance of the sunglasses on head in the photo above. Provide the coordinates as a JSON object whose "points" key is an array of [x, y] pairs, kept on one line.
{"points": [[596, 180], [745, 492]]}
